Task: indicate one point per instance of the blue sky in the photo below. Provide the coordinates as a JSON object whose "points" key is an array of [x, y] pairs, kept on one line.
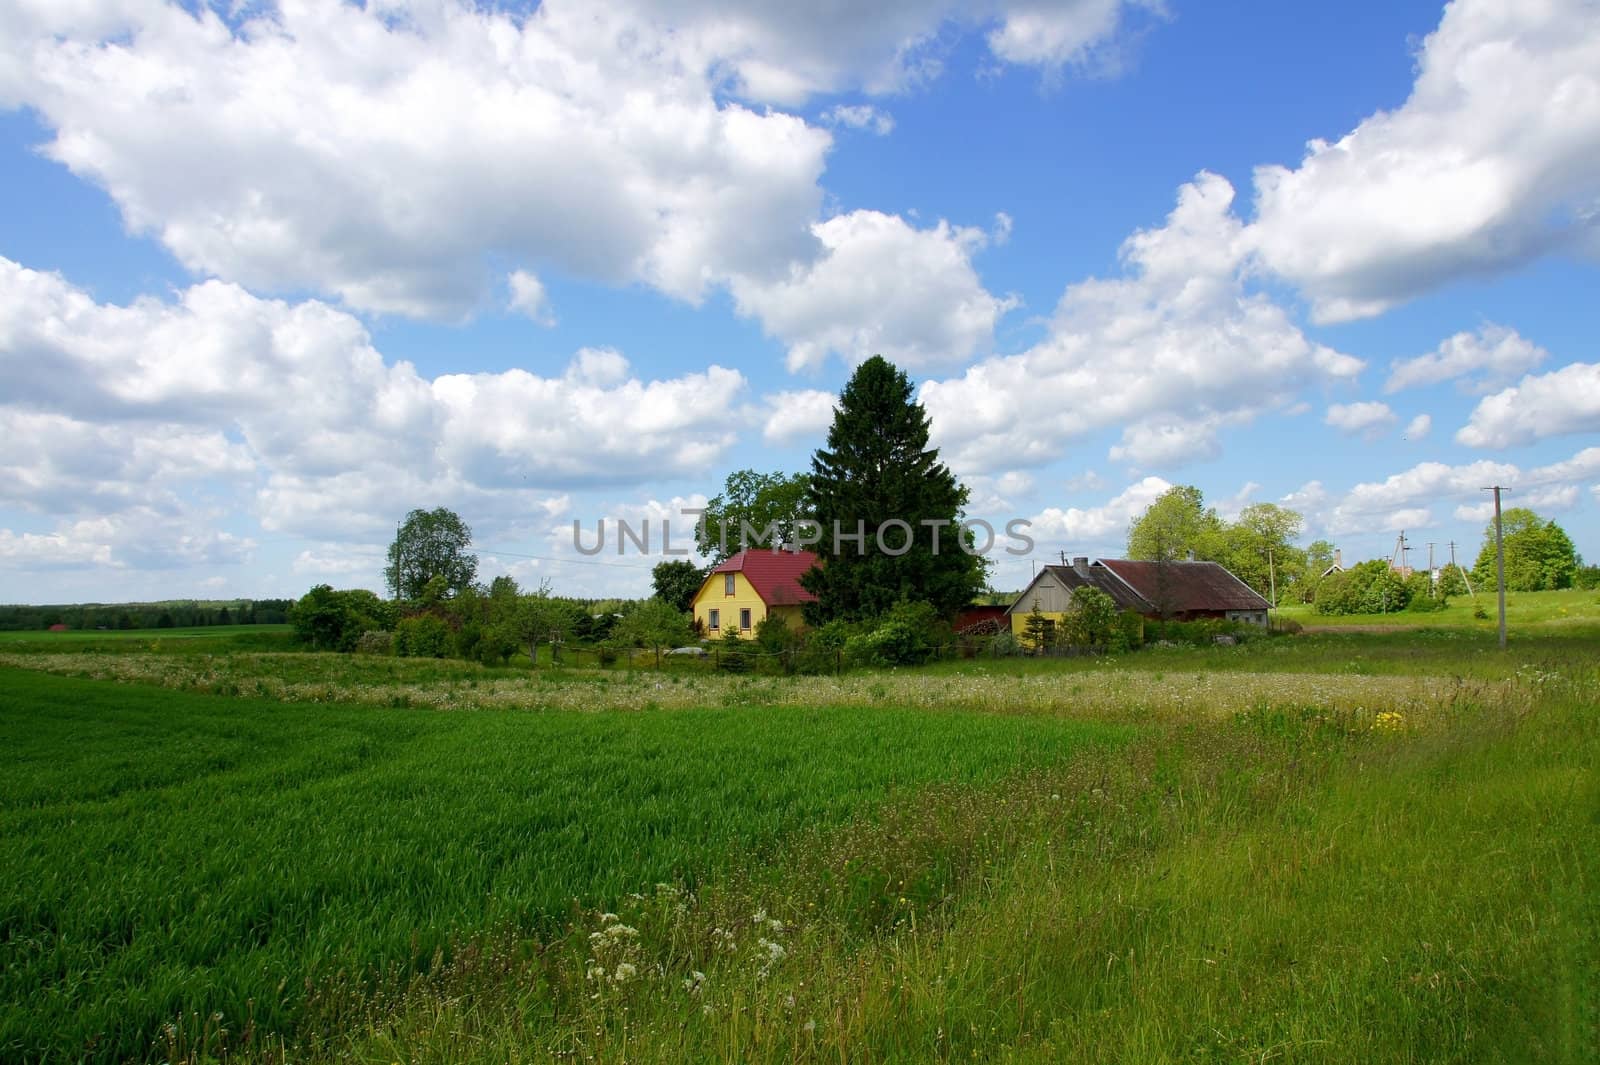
{"points": [[273, 274]]}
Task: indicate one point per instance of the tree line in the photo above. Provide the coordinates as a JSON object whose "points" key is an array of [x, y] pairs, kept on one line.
{"points": [[180, 614], [904, 564]]}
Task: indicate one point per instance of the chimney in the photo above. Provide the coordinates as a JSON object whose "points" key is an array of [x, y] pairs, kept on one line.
{"points": [[1081, 564], [1338, 558], [1189, 556]]}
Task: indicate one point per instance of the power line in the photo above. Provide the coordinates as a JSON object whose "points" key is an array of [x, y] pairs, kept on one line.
{"points": [[566, 561]]}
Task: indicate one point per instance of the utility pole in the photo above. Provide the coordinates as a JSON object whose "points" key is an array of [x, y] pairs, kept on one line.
{"points": [[1465, 579], [1272, 578], [1433, 581], [1499, 560]]}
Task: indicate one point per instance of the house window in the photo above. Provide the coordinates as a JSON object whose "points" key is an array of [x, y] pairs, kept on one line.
{"points": [[716, 620], [744, 620], [727, 584]]}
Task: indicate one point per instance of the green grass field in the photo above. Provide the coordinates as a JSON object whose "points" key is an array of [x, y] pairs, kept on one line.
{"points": [[165, 851], [210, 632], [1343, 847], [1523, 609]]}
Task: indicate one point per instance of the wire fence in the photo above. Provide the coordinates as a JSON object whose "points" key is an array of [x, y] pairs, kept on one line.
{"points": [[756, 659]]}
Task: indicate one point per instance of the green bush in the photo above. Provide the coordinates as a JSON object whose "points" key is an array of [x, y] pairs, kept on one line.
{"points": [[329, 620], [422, 636], [375, 642], [734, 653], [1366, 588], [496, 645], [1129, 632], [1005, 645], [1092, 621], [1587, 578], [908, 635], [1452, 581], [1198, 633]]}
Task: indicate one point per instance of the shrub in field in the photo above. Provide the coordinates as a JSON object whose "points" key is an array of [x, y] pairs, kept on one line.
{"points": [[1198, 633], [734, 654], [496, 645], [1366, 588], [1005, 645], [1426, 604], [657, 625], [1452, 581], [1092, 621], [909, 634], [422, 636], [1129, 632], [464, 641], [330, 620], [1587, 578], [375, 642]]}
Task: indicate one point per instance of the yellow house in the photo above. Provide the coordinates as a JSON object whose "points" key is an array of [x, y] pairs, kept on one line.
{"points": [[744, 590]]}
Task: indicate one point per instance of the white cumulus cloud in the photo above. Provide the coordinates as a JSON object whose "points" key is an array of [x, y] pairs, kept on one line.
{"points": [[881, 287], [1368, 419], [1492, 356], [1539, 406], [106, 408], [526, 296], [1174, 349], [797, 415], [1493, 160]]}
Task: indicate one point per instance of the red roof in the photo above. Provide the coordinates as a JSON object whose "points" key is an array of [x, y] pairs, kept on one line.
{"points": [[775, 575]]}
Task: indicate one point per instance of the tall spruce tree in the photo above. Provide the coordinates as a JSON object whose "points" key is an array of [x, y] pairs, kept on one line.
{"points": [[877, 469]]}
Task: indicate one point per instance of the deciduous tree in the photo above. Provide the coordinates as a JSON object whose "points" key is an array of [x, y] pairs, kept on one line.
{"points": [[1539, 554], [763, 502], [676, 581], [430, 544]]}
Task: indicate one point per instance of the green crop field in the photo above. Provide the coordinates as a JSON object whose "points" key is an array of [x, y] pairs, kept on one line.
{"points": [[1341, 847], [1568, 606], [165, 851], [210, 632]]}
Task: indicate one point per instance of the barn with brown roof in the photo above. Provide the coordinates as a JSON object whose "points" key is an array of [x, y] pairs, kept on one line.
{"points": [[1178, 590]]}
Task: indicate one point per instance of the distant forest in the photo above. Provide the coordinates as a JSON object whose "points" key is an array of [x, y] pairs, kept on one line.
{"points": [[174, 614]]}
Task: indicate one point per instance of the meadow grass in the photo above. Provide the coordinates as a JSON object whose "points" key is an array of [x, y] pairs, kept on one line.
{"points": [[164, 853], [1552, 608], [1332, 848], [210, 639], [1284, 886]]}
